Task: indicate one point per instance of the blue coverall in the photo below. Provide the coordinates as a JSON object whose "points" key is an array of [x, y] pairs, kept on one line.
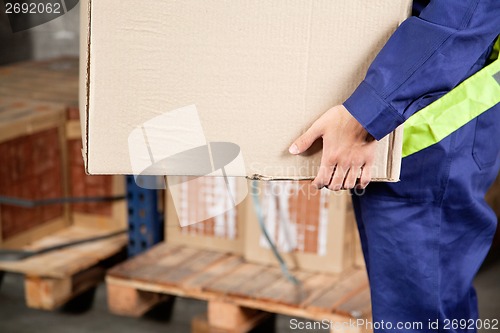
{"points": [[425, 237]]}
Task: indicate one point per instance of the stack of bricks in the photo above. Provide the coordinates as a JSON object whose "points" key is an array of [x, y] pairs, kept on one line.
{"points": [[289, 206], [31, 170], [32, 162], [46, 164], [199, 199], [313, 229]]}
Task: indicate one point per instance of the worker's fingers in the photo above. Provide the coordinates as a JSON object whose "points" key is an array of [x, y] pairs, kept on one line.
{"points": [[324, 174], [351, 177], [305, 140], [338, 177], [366, 176]]}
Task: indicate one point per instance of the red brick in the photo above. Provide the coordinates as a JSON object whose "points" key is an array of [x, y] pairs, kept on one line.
{"points": [[73, 113]]}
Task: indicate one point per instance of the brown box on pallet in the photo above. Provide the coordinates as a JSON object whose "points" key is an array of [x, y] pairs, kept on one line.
{"points": [[313, 230], [224, 232], [32, 147]]}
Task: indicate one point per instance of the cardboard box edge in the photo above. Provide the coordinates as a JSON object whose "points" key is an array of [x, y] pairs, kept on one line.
{"points": [[85, 58]]}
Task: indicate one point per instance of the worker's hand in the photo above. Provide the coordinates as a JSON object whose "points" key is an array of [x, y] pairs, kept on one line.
{"points": [[348, 150]]}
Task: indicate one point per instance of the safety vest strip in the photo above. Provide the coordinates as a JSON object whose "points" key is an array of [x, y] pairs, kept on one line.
{"points": [[471, 98]]}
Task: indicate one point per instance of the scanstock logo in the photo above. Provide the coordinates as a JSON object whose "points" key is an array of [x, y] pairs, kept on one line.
{"points": [[26, 14], [174, 143]]}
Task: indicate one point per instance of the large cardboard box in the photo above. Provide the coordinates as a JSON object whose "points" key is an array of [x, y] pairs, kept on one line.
{"points": [[181, 74]]}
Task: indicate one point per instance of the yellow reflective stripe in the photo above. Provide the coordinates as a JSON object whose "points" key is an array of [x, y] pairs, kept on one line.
{"points": [[468, 100]]}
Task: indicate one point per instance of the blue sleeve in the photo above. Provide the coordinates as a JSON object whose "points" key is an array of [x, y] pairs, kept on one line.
{"points": [[427, 56]]}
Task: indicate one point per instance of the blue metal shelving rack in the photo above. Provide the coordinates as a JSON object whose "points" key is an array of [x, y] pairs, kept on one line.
{"points": [[145, 216]]}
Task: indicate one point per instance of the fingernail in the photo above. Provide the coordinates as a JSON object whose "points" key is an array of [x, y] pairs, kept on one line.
{"points": [[294, 149]]}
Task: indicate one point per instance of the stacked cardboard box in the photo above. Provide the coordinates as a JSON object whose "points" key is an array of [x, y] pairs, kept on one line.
{"points": [[223, 232], [313, 230]]}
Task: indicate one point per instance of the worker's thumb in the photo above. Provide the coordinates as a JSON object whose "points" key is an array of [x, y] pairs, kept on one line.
{"points": [[304, 141]]}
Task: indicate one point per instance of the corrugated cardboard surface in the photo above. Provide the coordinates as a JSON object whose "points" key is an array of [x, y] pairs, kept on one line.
{"points": [[259, 72]]}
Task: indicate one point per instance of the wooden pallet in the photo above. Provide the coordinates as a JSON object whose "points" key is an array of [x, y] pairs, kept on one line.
{"points": [[56, 278], [237, 291]]}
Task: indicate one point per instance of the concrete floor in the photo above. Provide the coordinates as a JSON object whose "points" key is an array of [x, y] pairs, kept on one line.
{"points": [[16, 318]]}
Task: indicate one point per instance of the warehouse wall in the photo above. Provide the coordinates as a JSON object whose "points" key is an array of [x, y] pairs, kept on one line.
{"points": [[13, 47], [59, 37]]}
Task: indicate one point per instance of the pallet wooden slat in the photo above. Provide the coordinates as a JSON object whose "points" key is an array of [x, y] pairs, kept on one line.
{"points": [[193, 266], [250, 287], [357, 306], [127, 269], [283, 291], [163, 267], [318, 285], [227, 281], [341, 292], [221, 268], [65, 262], [55, 278], [232, 282]]}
